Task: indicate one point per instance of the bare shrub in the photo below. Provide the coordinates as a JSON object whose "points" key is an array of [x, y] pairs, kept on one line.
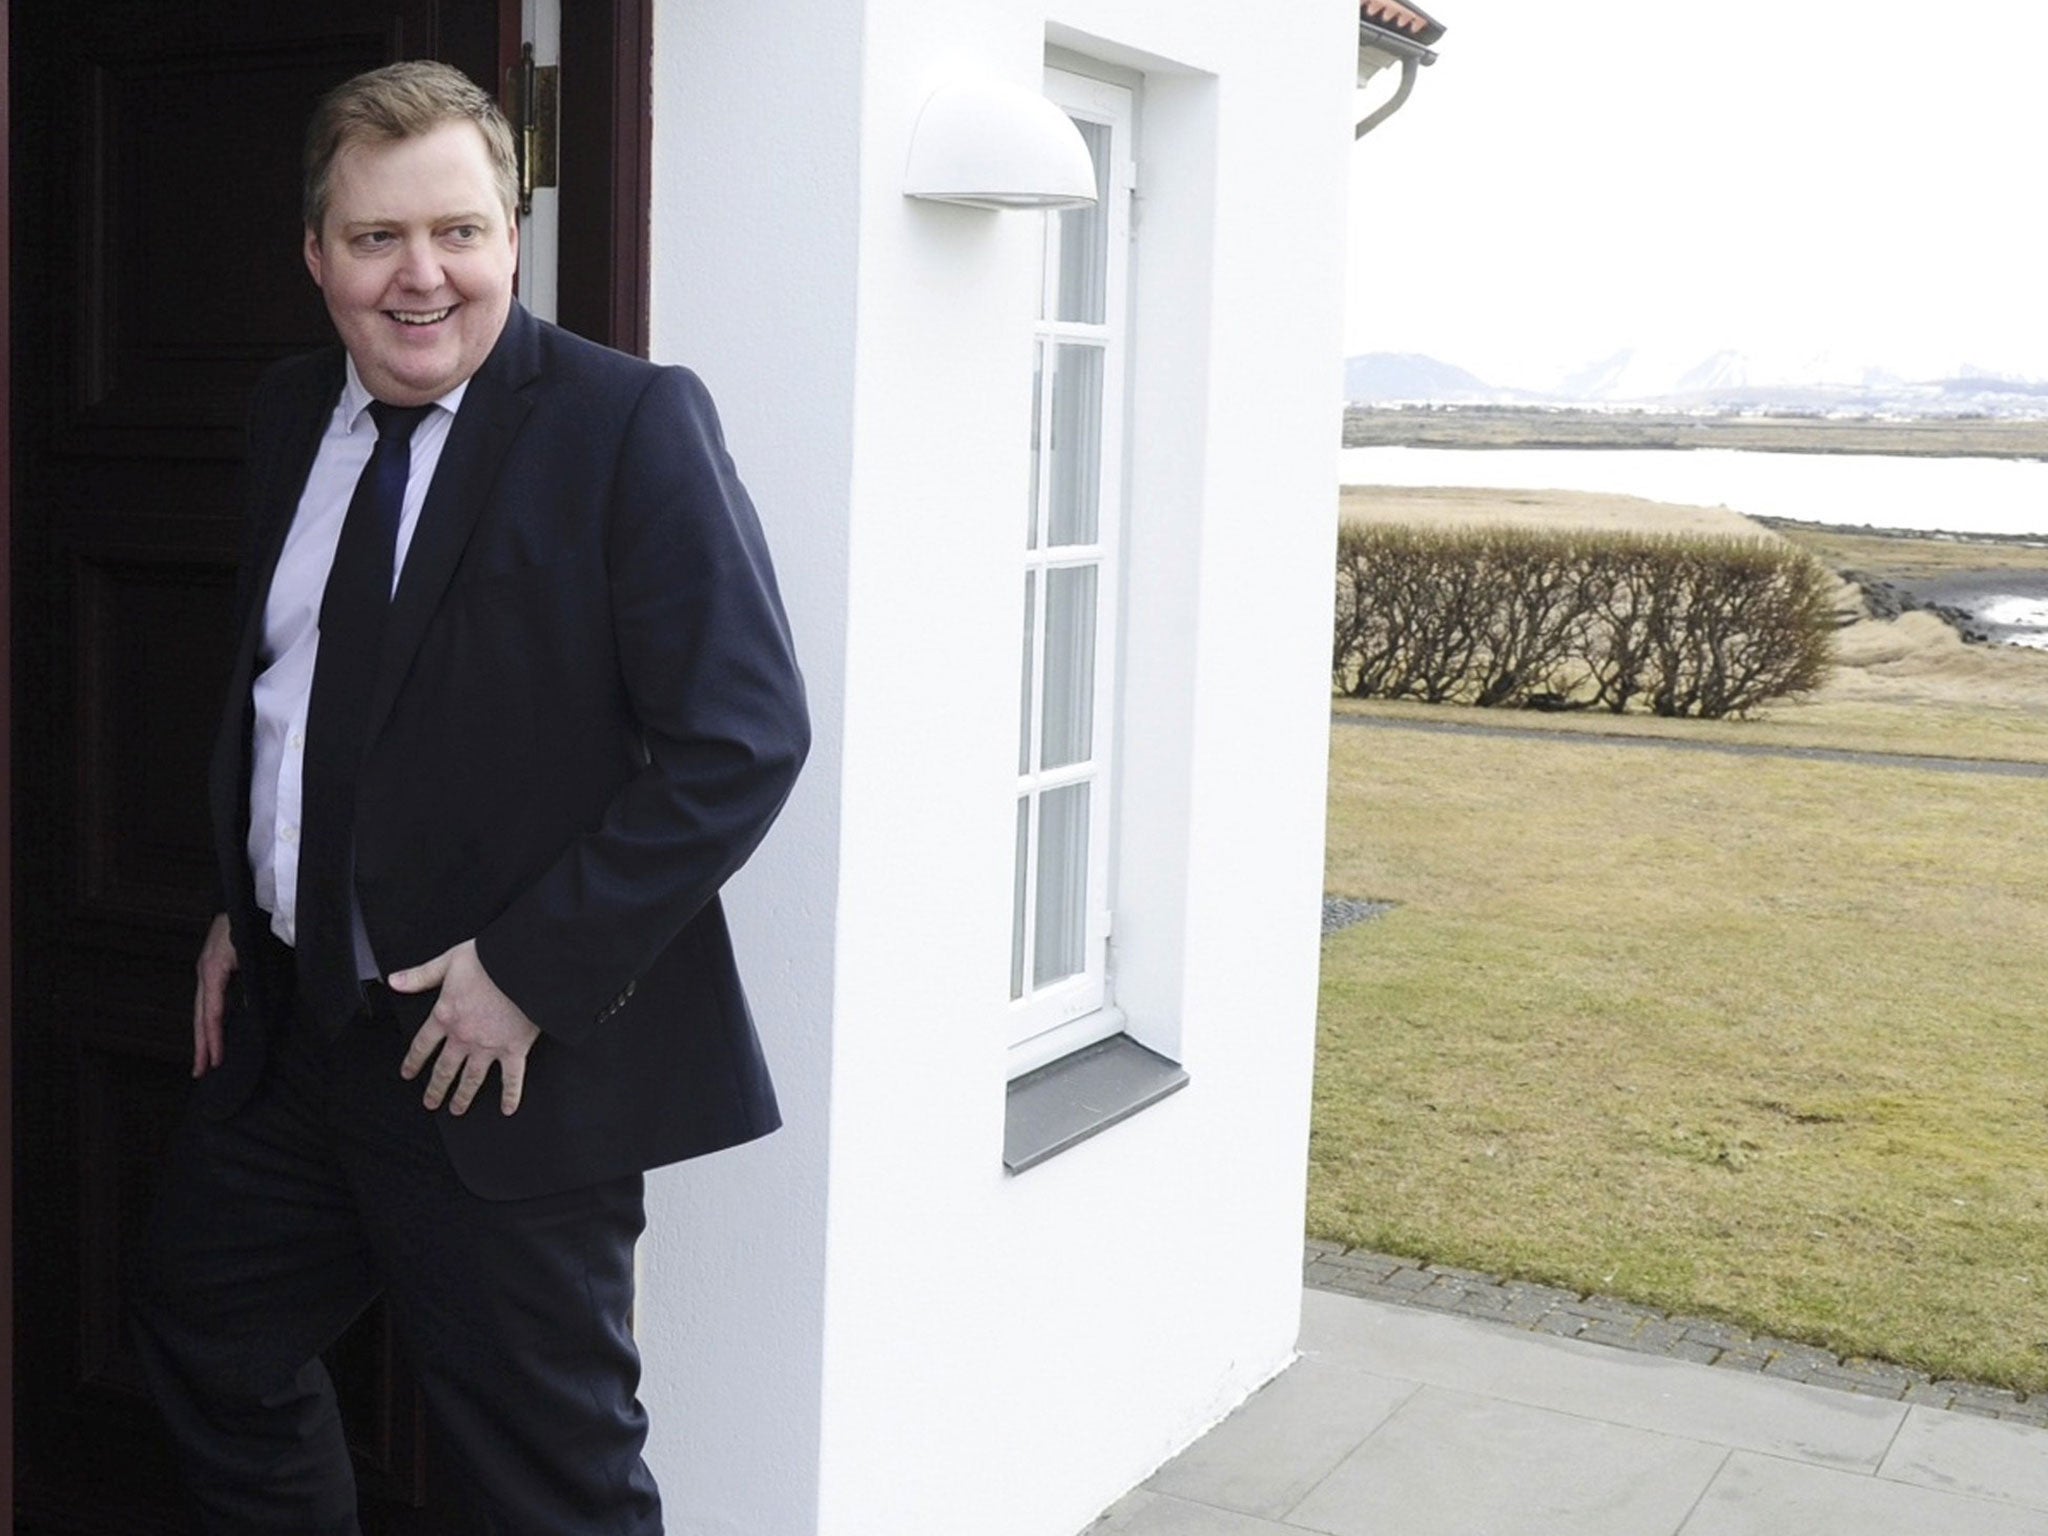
{"points": [[1751, 620], [1409, 608], [1689, 625], [1536, 596]]}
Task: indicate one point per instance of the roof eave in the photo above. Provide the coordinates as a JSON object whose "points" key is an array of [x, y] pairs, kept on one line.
{"points": [[1380, 49]]}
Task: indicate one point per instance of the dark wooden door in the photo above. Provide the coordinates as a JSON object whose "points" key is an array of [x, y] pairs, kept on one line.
{"points": [[155, 173]]}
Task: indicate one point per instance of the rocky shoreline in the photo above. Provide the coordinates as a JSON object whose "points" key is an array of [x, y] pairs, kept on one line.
{"points": [[1971, 602], [2003, 601]]}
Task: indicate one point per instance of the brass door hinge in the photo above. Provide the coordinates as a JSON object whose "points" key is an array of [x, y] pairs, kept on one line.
{"points": [[532, 103]]}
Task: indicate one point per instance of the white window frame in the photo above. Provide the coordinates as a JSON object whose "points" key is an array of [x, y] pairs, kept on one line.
{"points": [[1077, 1010], [540, 232]]}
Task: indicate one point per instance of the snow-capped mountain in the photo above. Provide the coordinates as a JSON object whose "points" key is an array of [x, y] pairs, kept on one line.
{"points": [[1411, 376], [1828, 383]]}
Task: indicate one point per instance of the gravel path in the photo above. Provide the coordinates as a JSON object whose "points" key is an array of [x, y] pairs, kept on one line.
{"points": [[1736, 748]]}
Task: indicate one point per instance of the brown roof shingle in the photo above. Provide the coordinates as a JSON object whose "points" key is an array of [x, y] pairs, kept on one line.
{"points": [[1395, 16]]}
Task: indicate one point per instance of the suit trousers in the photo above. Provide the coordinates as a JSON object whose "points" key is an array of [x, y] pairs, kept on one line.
{"points": [[275, 1228]]}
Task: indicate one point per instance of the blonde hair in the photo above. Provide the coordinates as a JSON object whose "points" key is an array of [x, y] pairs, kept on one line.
{"points": [[403, 101]]}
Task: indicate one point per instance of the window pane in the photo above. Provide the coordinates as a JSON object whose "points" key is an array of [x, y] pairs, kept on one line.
{"points": [[1037, 447], [1030, 650], [1069, 666], [1076, 443], [1023, 885], [1062, 883], [1084, 239]]}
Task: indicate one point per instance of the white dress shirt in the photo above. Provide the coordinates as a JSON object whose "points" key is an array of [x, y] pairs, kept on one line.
{"points": [[291, 636]]}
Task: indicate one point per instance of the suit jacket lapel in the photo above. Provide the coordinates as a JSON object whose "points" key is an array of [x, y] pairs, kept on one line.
{"points": [[277, 495], [493, 408], [277, 480]]}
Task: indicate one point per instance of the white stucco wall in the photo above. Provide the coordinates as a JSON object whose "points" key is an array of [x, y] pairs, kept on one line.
{"points": [[864, 1325], [755, 216]]}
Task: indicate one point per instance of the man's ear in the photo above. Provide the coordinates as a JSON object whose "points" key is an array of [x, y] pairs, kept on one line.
{"points": [[313, 255]]}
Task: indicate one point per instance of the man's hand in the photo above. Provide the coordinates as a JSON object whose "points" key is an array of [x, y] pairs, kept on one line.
{"points": [[473, 1025], [217, 962]]}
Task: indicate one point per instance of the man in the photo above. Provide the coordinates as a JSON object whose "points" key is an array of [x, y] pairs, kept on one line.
{"points": [[513, 696]]}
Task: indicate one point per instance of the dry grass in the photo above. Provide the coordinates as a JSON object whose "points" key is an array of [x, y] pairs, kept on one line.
{"points": [[1754, 1038], [1460, 507], [1750, 1037], [1902, 559]]}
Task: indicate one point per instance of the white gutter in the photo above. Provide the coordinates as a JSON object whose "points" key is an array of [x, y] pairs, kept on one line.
{"points": [[1377, 48]]}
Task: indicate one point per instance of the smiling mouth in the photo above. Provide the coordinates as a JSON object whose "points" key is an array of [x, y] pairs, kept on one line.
{"points": [[420, 316]]}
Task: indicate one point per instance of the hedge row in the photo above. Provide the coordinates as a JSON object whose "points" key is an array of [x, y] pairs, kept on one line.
{"points": [[1678, 624]]}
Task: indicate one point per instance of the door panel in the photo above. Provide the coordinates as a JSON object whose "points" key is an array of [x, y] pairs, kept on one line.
{"points": [[158, 273], [174, 205]]}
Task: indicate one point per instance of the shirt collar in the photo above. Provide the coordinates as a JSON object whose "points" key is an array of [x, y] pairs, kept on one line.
{"points": [[355, 398]]}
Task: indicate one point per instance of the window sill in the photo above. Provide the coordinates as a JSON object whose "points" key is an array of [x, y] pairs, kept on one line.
{"points": [[1064, 1102]]}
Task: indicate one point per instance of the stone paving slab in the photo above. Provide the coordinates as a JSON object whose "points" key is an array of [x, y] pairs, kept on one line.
{"points": [[1763, 1496], [1152, 1514], [1625, 1325], [1289, 1436], [1637, 1391], [1959, 1454], [1456, 1462]]}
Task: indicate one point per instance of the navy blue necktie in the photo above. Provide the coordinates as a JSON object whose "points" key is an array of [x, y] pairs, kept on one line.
{"points": [[352, 613]]}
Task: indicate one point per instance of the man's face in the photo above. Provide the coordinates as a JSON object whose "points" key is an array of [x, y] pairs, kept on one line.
{"points": [[416, 261]]}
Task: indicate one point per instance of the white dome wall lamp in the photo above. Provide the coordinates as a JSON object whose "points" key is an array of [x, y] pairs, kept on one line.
{"points": [[990, 144]]}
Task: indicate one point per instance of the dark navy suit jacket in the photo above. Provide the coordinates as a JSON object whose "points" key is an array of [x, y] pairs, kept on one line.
{"points": [[587, 713]]}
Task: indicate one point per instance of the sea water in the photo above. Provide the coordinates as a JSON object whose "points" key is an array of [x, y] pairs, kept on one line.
{"points": [[1922, 495]]}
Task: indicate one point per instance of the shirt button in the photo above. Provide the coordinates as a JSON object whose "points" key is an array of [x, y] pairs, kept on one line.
{"points": [[297, 741], [287, 834]]}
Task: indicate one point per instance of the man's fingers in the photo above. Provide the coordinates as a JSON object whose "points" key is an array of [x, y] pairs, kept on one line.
{"points": [[472, 1025], [424, 1044], [207, 1013], [422, 978], [209, 997], [469, 1084], [512, 1075], [207, 1049], [446, 1065]]}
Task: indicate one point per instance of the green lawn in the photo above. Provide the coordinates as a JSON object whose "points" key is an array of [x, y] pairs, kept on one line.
{"points": [[1752, 1038]]}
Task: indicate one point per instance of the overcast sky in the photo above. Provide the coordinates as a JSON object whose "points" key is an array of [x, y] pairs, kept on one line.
{"points": [[1860, 178]]}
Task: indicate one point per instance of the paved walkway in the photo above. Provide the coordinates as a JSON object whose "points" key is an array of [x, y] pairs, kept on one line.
{"points": [[1401, 1421], [1986, 765], [1626, 1325]]}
